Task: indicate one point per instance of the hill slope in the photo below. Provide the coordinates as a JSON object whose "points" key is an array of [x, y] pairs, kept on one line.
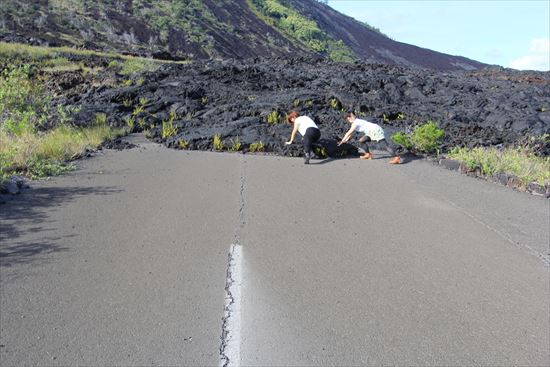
{"points": [[203, 29]]}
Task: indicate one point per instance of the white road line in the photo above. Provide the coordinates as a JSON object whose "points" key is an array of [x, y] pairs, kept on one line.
{"points": [[230, 349]]}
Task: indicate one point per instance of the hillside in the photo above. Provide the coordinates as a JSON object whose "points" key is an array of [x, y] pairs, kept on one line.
{"points": [[205, 29]]}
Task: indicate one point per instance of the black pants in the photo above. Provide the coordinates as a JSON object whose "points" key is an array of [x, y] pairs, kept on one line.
{"points": [[382, 144], [311, 136]]}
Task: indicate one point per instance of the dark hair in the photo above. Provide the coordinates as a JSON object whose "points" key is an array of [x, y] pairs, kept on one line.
{"points": [[350, 113], [292, 115]]}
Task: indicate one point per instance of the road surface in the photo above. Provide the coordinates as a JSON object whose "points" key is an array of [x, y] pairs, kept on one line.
{"points": [[153, 256]]}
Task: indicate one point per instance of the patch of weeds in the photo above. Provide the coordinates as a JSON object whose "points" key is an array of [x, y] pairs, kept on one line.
{"points": [[275, 118], [218, 143], [169, 127], [257, 147], [236, 144], [100, 119], [127, 103], [321, 152], [296, 103], [128, 83], [335, 104], [137, 65], [519, 161], [183, 144], [204, 100], [37, 168]]}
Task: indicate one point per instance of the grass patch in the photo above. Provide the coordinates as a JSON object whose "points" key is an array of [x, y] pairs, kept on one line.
{"points": [[520, 162], [46, 154]]}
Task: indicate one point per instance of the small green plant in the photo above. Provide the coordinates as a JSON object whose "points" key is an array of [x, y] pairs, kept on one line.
{"points": [[274, 118], [335, 104], [204, 100], [321, 152], [128, 83], [169, 127], [218, 143], [236, 144], [251, 98], [113, 64], [427, 137], [101, 119], [131, 123], [140, 81], [138, 110], [143, 101], [183, 144], [401, 116], [257, 147], [295, 103], [127, 103]]}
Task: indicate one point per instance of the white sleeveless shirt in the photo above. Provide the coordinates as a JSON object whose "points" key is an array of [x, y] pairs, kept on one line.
{"points": [[304, 123], [372, 130]]}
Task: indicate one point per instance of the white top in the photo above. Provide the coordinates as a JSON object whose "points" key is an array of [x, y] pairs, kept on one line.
{"points": [[304, 123], [372, 130]]}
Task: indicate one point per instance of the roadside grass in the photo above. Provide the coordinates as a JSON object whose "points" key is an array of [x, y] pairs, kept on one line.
{"points": [[26, 108], [49, 153], [520, 162]]}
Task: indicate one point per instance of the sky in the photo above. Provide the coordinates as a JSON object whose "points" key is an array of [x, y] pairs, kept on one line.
{"points": [[510, 33]]}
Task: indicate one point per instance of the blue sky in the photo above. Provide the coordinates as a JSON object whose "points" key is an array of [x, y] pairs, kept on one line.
{"points": [[509, 33]]}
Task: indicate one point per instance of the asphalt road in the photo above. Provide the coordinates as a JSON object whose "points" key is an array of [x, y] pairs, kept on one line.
{"points": [[153, 256]]}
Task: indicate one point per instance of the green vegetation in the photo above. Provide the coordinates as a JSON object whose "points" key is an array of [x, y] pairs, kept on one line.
{"points": [[218, 143], [183, 144], [236, 144], [281, 15], [47, 154], [403, 139], [335, 104], [275, 118], [26, 110], [169, 127], [425, 138], [321, 152], [520, 162], [257, 147]]}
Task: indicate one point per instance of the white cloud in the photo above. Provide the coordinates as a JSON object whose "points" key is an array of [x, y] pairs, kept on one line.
{"points": [[538, 57]]}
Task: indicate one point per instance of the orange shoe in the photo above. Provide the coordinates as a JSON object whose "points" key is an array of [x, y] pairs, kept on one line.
{"points": [[396, 160], [366, 156]]}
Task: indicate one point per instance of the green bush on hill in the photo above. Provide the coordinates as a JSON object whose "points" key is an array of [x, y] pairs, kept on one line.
{"points": [[281, 15]]}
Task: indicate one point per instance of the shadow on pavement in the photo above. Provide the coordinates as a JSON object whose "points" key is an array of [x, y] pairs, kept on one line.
{"points": [[28, 213]]}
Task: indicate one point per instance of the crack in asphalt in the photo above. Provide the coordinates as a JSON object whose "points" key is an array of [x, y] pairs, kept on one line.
{"points": [[230, 338]]}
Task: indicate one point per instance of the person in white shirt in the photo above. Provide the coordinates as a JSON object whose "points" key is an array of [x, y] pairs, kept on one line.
{"points": [[371, 132], [308, 129]]}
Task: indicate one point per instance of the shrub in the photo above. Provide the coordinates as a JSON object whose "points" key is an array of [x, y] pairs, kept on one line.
{"points": [[426, 138], [403, 139]]}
